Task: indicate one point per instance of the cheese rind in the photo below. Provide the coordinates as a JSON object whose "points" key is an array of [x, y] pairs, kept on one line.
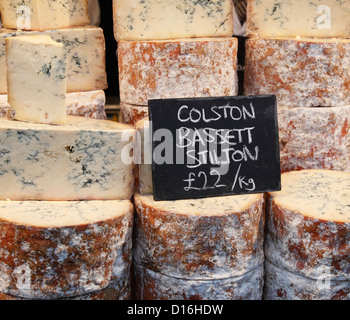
{"points": [[143, 152], [36, 79], [314, 138], [171, 19], [316, 18], [300, 72], [182, 68], [117, 290], [57, 249], [206, 239], [151, 285], [308, 224], [85, 46], [86, 159], [131, 114], [89, 104], [281, 284], [44, 15]]}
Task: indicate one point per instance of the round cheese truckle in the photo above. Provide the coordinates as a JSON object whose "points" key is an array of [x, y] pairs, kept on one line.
{"points": [[308, 224], [207, 239], [314, 138], [181, 68], [151, 285], [62, 249], [281, 284], [306, 72]]}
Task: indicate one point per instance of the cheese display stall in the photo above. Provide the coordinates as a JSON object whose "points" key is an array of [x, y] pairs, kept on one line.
{"points": [[79, 216]]}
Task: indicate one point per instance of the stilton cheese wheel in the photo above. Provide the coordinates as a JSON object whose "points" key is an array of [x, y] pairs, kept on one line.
{"points": [[85, 159], [33, 63], [212, 238], [54, 249], [317, 18], [131, 114], [151, 285], [172, 19], [308, 224], [314, 138], [300, 72], [182, 68], [43, 15], [89, 104], [281, 284], [85, 46]]}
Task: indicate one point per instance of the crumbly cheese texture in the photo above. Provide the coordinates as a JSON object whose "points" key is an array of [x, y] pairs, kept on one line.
{"points": [[131, 114], [308, 223], [85, 46], [151, 285], [44, 15], [291, 18], [42, 241], [182, 68], [36, 79], [171, 19], [300, 72], [314, 138], [281, 284], [86, 159], [215, 238], [89, 104]]}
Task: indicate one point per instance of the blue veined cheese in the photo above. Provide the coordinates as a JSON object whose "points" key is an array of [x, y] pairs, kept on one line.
{"points": [[44, 15], [89, 104], [171, 19], [85, 159], [85, 46], [36, 79], [290, 18], [60, 249]]}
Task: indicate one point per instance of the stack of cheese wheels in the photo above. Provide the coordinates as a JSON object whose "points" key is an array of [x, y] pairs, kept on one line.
{"points": [[199, 249], [195, 249], [305, 62], [66, 181], [173, 49], [308, 237], [66, 22]]}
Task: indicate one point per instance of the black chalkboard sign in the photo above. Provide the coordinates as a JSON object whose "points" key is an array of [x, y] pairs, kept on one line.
{"points": [[206, 147]]}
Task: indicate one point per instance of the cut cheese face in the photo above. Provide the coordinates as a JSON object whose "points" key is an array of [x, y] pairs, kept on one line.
{"points": [[182, 68], [286, 18], [89, 104], [317, 194], [44, 15], [36, 78], [58, 214], [314, 138], [85, 46], [170, 19], [54, 236], [306, 72], [86, 159]]}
